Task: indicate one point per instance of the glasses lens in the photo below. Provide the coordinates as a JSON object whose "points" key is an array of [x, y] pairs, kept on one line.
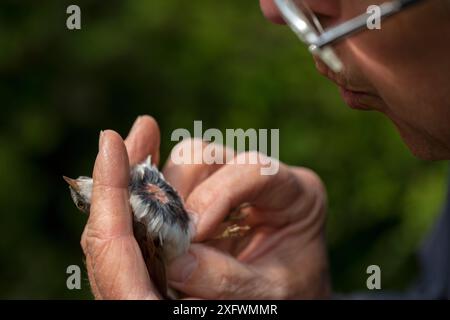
{"points": [[311, 18], [302, 20]]}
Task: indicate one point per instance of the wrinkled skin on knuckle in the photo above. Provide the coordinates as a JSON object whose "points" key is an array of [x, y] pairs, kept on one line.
{"points": [[312, 204], [225, 286], [281, 290], [244, 285], [94, 242], [104, 269], [200, 202], [313, 181], [91, 242], [83, 242], [314, 282], [298, 266], [194, 145], [251, 170], [107, 268], [251, 159]]}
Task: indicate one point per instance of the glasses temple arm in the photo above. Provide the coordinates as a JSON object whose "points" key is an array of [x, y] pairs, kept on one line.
{"points": [[359, 23]]}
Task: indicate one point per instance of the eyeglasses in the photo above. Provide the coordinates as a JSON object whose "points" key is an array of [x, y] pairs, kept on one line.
{"points": [[307, 27]]}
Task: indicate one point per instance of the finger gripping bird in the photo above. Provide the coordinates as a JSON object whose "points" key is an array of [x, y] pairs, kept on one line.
{"points": [[161, 225]]}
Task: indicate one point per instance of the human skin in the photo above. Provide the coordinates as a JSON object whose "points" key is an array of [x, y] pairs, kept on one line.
{"points": [[282, 257], [402, 71]]}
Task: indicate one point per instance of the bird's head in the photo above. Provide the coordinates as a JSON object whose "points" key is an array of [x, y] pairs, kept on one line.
{"points": [[81, 190]]}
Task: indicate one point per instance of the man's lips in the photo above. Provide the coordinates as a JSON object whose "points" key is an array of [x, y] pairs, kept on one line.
{"points": [[355, 99]]}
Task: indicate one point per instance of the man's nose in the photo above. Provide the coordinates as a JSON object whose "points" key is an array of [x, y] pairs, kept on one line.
{"points": [[271, 12], [327, 10]]}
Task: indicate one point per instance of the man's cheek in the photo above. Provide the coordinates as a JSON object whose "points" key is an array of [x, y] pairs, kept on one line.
{"points": [[271, 12]]}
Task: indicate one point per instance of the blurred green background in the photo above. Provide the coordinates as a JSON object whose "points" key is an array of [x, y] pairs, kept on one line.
{"points": [[180, 61]]}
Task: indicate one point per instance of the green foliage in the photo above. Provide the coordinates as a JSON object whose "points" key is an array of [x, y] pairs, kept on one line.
{"points": [[180, 61]]}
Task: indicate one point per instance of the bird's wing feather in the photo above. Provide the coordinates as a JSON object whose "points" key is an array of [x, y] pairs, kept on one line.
{"points": [[152, 253]]}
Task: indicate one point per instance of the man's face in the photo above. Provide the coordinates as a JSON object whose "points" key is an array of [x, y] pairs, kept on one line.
{"points": [[402, 70]]}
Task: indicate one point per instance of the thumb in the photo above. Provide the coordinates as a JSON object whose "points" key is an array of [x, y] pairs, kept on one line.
{"points": [[114, 260], [207, 273]]}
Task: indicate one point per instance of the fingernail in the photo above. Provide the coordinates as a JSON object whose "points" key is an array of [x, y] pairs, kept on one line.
{"points": [[182, 267], [100, 142]]}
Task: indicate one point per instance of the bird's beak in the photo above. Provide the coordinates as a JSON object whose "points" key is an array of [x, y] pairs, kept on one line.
{"points": [[72, 183]]}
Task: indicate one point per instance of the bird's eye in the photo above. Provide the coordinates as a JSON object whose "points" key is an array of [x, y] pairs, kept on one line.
{"points": [[80, 205]]}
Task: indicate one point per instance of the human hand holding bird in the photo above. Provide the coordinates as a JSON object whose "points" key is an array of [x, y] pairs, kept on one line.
{"points": [[114, 261], [283, 256]]}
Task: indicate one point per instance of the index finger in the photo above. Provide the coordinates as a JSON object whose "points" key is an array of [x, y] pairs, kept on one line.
{"points": [[288, 196], [235, 184], [184, 177]]}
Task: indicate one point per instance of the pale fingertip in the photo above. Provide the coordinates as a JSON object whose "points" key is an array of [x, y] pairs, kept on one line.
{"points": [[100, 139], [143, 140], [136, 125], [153, 126], [111, 165], [110, 213]]}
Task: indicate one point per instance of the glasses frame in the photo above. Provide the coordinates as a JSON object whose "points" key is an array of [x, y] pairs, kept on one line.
{"points": [[319, 43]]}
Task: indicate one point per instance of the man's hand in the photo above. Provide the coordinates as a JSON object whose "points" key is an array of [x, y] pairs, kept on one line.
{"points": [[282, 257], [114, 261]]}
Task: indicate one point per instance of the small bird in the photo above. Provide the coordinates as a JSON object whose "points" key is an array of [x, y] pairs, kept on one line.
{"points": [[161, 225]]}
